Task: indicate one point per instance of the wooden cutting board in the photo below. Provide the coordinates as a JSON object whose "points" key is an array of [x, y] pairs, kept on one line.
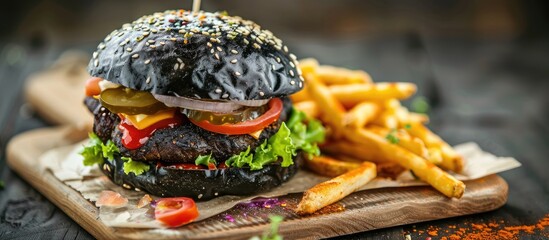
{"points": [[365, 210], [57, 95]]}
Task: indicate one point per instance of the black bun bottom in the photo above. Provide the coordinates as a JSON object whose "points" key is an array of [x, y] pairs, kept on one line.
{"points": [[201, 184]]}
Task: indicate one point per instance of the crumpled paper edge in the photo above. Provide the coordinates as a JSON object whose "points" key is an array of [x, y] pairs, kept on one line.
{"points": [[66, 164]]}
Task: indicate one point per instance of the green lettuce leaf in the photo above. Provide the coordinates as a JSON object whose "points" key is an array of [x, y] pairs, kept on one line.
{"points": [[292, 136], [93, 152], [204, 160], [96, 152], [134, 167]]}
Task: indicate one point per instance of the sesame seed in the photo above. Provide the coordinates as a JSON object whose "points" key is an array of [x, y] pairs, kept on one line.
{"points": [[173, 39], [292, 82], [300, 84], [234, 61], [209, 44], [216, 56], [148, 80], [179, 60], [129, 49], [146, 34], [219, 49], [278, 59], [181, 66], [94, 55], [96, 62], [200, 196], [212, 50], [237, 73], [225, 95], [291, 73], [302, 79], [273, 66], [256, 46], [292, 64], [245, 41], [152, 46], [147, 61], [261, 94], [176, 66], [216, 194], [137, 189], [285, 49], [234, 51], [126, 186], [293, 56], [135, 55], [150, 41], [218, 90], [162, 43], [299, 71]]}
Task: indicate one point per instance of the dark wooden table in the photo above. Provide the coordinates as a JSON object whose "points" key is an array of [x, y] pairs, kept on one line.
{"points": [[493, 91]]}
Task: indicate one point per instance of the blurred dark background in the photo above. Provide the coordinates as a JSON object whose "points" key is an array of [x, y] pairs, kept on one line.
{"points": [[483, 66]]}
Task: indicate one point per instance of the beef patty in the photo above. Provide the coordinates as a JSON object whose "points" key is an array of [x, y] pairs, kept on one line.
{"points": [[180, 144]]}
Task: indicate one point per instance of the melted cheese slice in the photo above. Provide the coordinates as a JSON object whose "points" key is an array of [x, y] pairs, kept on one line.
{"points": [[142, 121]]}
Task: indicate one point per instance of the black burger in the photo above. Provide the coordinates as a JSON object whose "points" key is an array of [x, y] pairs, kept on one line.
{"points": [[196, 104]]}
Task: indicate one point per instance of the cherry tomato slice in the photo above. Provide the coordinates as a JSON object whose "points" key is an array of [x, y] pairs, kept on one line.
{"points": [[175, 212], [92, 86], [275, 108]]}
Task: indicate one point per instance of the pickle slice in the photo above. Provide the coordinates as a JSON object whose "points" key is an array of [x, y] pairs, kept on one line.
{"points": [[244, 114], [129, 101]]}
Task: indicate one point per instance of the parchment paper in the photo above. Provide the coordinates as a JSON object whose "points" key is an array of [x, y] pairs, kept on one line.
{"points": [[66, 165]]}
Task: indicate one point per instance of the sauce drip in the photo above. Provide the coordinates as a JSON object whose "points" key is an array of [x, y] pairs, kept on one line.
{"points": [[133, 138]]}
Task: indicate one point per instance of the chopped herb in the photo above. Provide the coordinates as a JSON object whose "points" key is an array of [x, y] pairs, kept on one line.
{"points": [[391, 137], [420, 105], [2, 185], [408, 126], [272, 233]]}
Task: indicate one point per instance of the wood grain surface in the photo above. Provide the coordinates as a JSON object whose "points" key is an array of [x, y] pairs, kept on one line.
{"points": [[365, 210]]}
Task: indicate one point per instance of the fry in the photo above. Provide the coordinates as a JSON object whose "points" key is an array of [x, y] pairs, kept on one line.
{"points": [[331, 75], [333, 190], [386, 119], [361, 114], [308, 66], [301, 96], [332, 112], [425, 170], [405, 117], [389, 170], [351, 94], [412, 144], [354, 150], [329, 167], [308, 107], [450, 159]]}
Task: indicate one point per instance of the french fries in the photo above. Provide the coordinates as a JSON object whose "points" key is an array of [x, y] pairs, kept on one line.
{"points": [[308, 107], [450, 159], [367, 126], [361, 114], [333, 112], [331, 75], [351, 94], [333, 190], [422, 168], [329, 167]]}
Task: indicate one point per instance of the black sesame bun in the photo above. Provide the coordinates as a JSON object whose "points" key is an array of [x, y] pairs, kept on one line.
{"points": [[197, 55], [202, 184]]}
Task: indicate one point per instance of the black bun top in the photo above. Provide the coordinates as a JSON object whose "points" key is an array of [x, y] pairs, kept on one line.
{"points": [[198, 55]]}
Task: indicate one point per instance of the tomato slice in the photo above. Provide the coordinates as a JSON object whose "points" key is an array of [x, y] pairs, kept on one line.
{"points": [[175, 212], [275, 108], [92, 86]]}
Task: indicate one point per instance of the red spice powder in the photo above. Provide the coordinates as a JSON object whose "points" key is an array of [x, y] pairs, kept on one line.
{"points": [[492, 230]]}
